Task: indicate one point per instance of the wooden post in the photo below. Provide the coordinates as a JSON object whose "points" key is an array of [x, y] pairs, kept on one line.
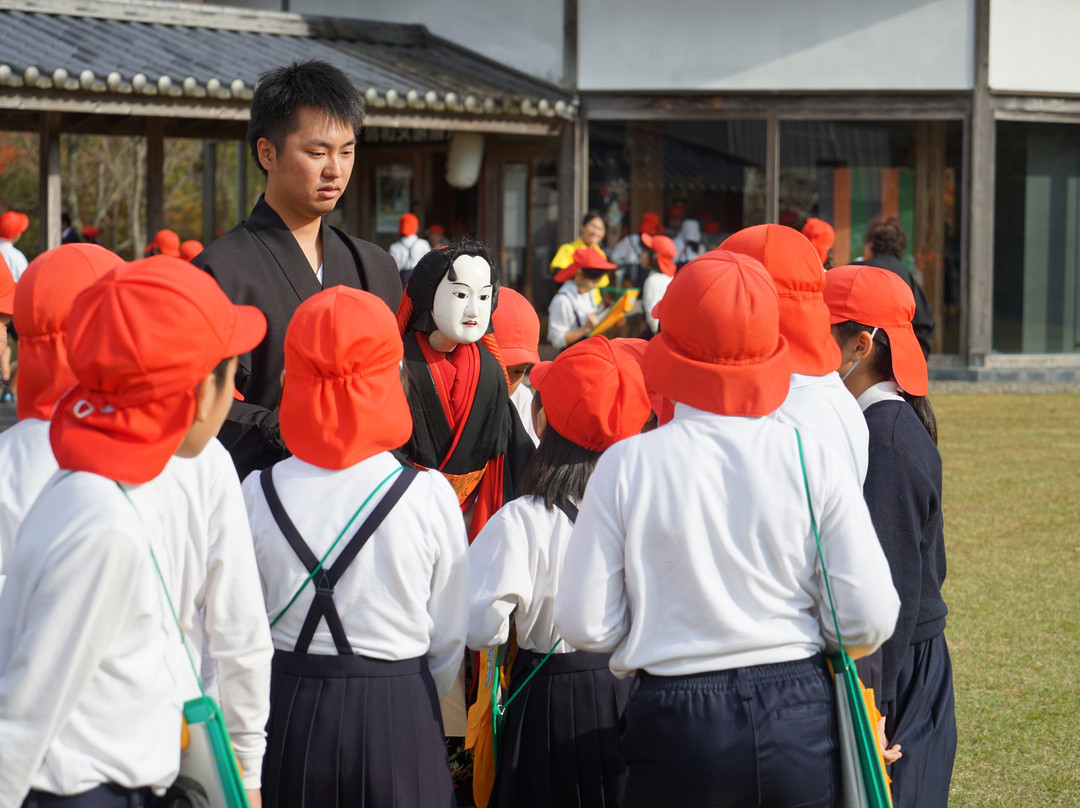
{"points": [[49, 181], [243, 204], [980, 292], [928, 247], [209, 191], [155, 176], [645, 145], [567, 183], [772, 167]]}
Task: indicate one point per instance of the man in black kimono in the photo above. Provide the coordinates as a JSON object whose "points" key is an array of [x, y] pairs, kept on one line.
{"points": [[303, 132]]}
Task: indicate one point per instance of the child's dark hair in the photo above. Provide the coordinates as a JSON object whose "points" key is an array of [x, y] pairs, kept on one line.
{"points": [[281, 91], [883, 368], [886, 236], [559, 469], [220, 369]]}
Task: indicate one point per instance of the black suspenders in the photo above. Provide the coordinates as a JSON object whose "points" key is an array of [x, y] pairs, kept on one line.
{"points": [[324, 581]]}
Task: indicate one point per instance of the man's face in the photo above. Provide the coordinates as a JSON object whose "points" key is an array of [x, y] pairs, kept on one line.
{"points": [[309, 174]]}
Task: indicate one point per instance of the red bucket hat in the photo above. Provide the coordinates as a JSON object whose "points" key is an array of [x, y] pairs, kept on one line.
{"points": [[408, 224], [139, 341], [721, 350], [821, 234], [650, 224], [585, 258], [342, 401], [793, 264], [43, 300], [167, 241], [517, 328], [877, 297], [593, 393], [190, 248], [13, 224], [7, 288], [665, 250]]}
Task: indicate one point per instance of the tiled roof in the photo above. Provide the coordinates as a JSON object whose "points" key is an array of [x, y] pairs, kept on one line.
{"points": [[216, 53]]}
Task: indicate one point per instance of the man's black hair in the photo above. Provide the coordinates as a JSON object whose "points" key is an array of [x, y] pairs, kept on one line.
{"points": [[281, 91]]}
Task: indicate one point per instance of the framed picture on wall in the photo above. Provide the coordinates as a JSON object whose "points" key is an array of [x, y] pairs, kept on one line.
{"points": [[393, 184]]}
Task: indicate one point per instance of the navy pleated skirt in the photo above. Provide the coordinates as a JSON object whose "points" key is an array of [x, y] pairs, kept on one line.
{"points": [[923, 722], [560, 735], [354, 731]]}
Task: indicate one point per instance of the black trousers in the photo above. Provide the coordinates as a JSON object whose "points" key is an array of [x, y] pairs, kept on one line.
{"points": [[923, 722], [106, 796], [758, 736]]}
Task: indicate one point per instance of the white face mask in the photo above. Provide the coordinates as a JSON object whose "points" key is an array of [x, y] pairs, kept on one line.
{"points": [[462, 308], [855, 364]]}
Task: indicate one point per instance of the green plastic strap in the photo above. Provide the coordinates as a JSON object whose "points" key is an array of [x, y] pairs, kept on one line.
{"points": [[165, 589], [817, 538], [326, 555], [532, 673]]}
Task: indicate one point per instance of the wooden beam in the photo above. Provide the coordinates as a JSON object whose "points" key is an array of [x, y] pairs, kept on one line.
{"points": [[980, 299], [155, 177], [209, 191], [570, 43], [928, 243], [772, 168], [243, 204], [567, 184], [49, 181]]}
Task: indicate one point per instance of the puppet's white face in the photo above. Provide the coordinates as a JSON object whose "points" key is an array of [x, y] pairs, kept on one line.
{"points": [[462, 307]]}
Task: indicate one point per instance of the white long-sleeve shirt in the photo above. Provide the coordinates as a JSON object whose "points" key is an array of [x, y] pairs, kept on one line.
{"points": [[823, 405], [693, 551], [569, 310], [403, 596], [90, 659], [652, 292], [514, 568], [14, 257], [523, 399], [408, 250], [203, 540]]}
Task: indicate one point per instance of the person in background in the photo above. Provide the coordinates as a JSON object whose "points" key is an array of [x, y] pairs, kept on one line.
{"points": [[7, 300], [435, 235], [363, 650], [165, 242], [303, 130], [410, 248], [559, 743], [189, 249], [706, 585], [885, 244], [592, 234], [660, 259], [884, 369], [575, 309], [91, 235], [822, 235], [517, 330], [68, 234], [675, 215], [626, 255], [688, 242], [12, 225]]}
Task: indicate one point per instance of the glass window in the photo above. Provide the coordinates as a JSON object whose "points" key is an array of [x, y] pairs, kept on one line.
{"points": [[711, 172], [1036, 229], [850, 172]]}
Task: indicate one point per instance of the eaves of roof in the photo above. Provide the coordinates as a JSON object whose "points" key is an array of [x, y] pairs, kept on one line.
{"points": [[128, 50]]}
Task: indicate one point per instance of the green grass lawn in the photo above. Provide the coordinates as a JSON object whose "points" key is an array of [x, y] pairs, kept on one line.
{"points": [[1012, 532]]}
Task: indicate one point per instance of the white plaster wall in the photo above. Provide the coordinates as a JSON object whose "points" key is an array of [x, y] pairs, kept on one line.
{"points": [[767, 45], [1034, 46]]}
